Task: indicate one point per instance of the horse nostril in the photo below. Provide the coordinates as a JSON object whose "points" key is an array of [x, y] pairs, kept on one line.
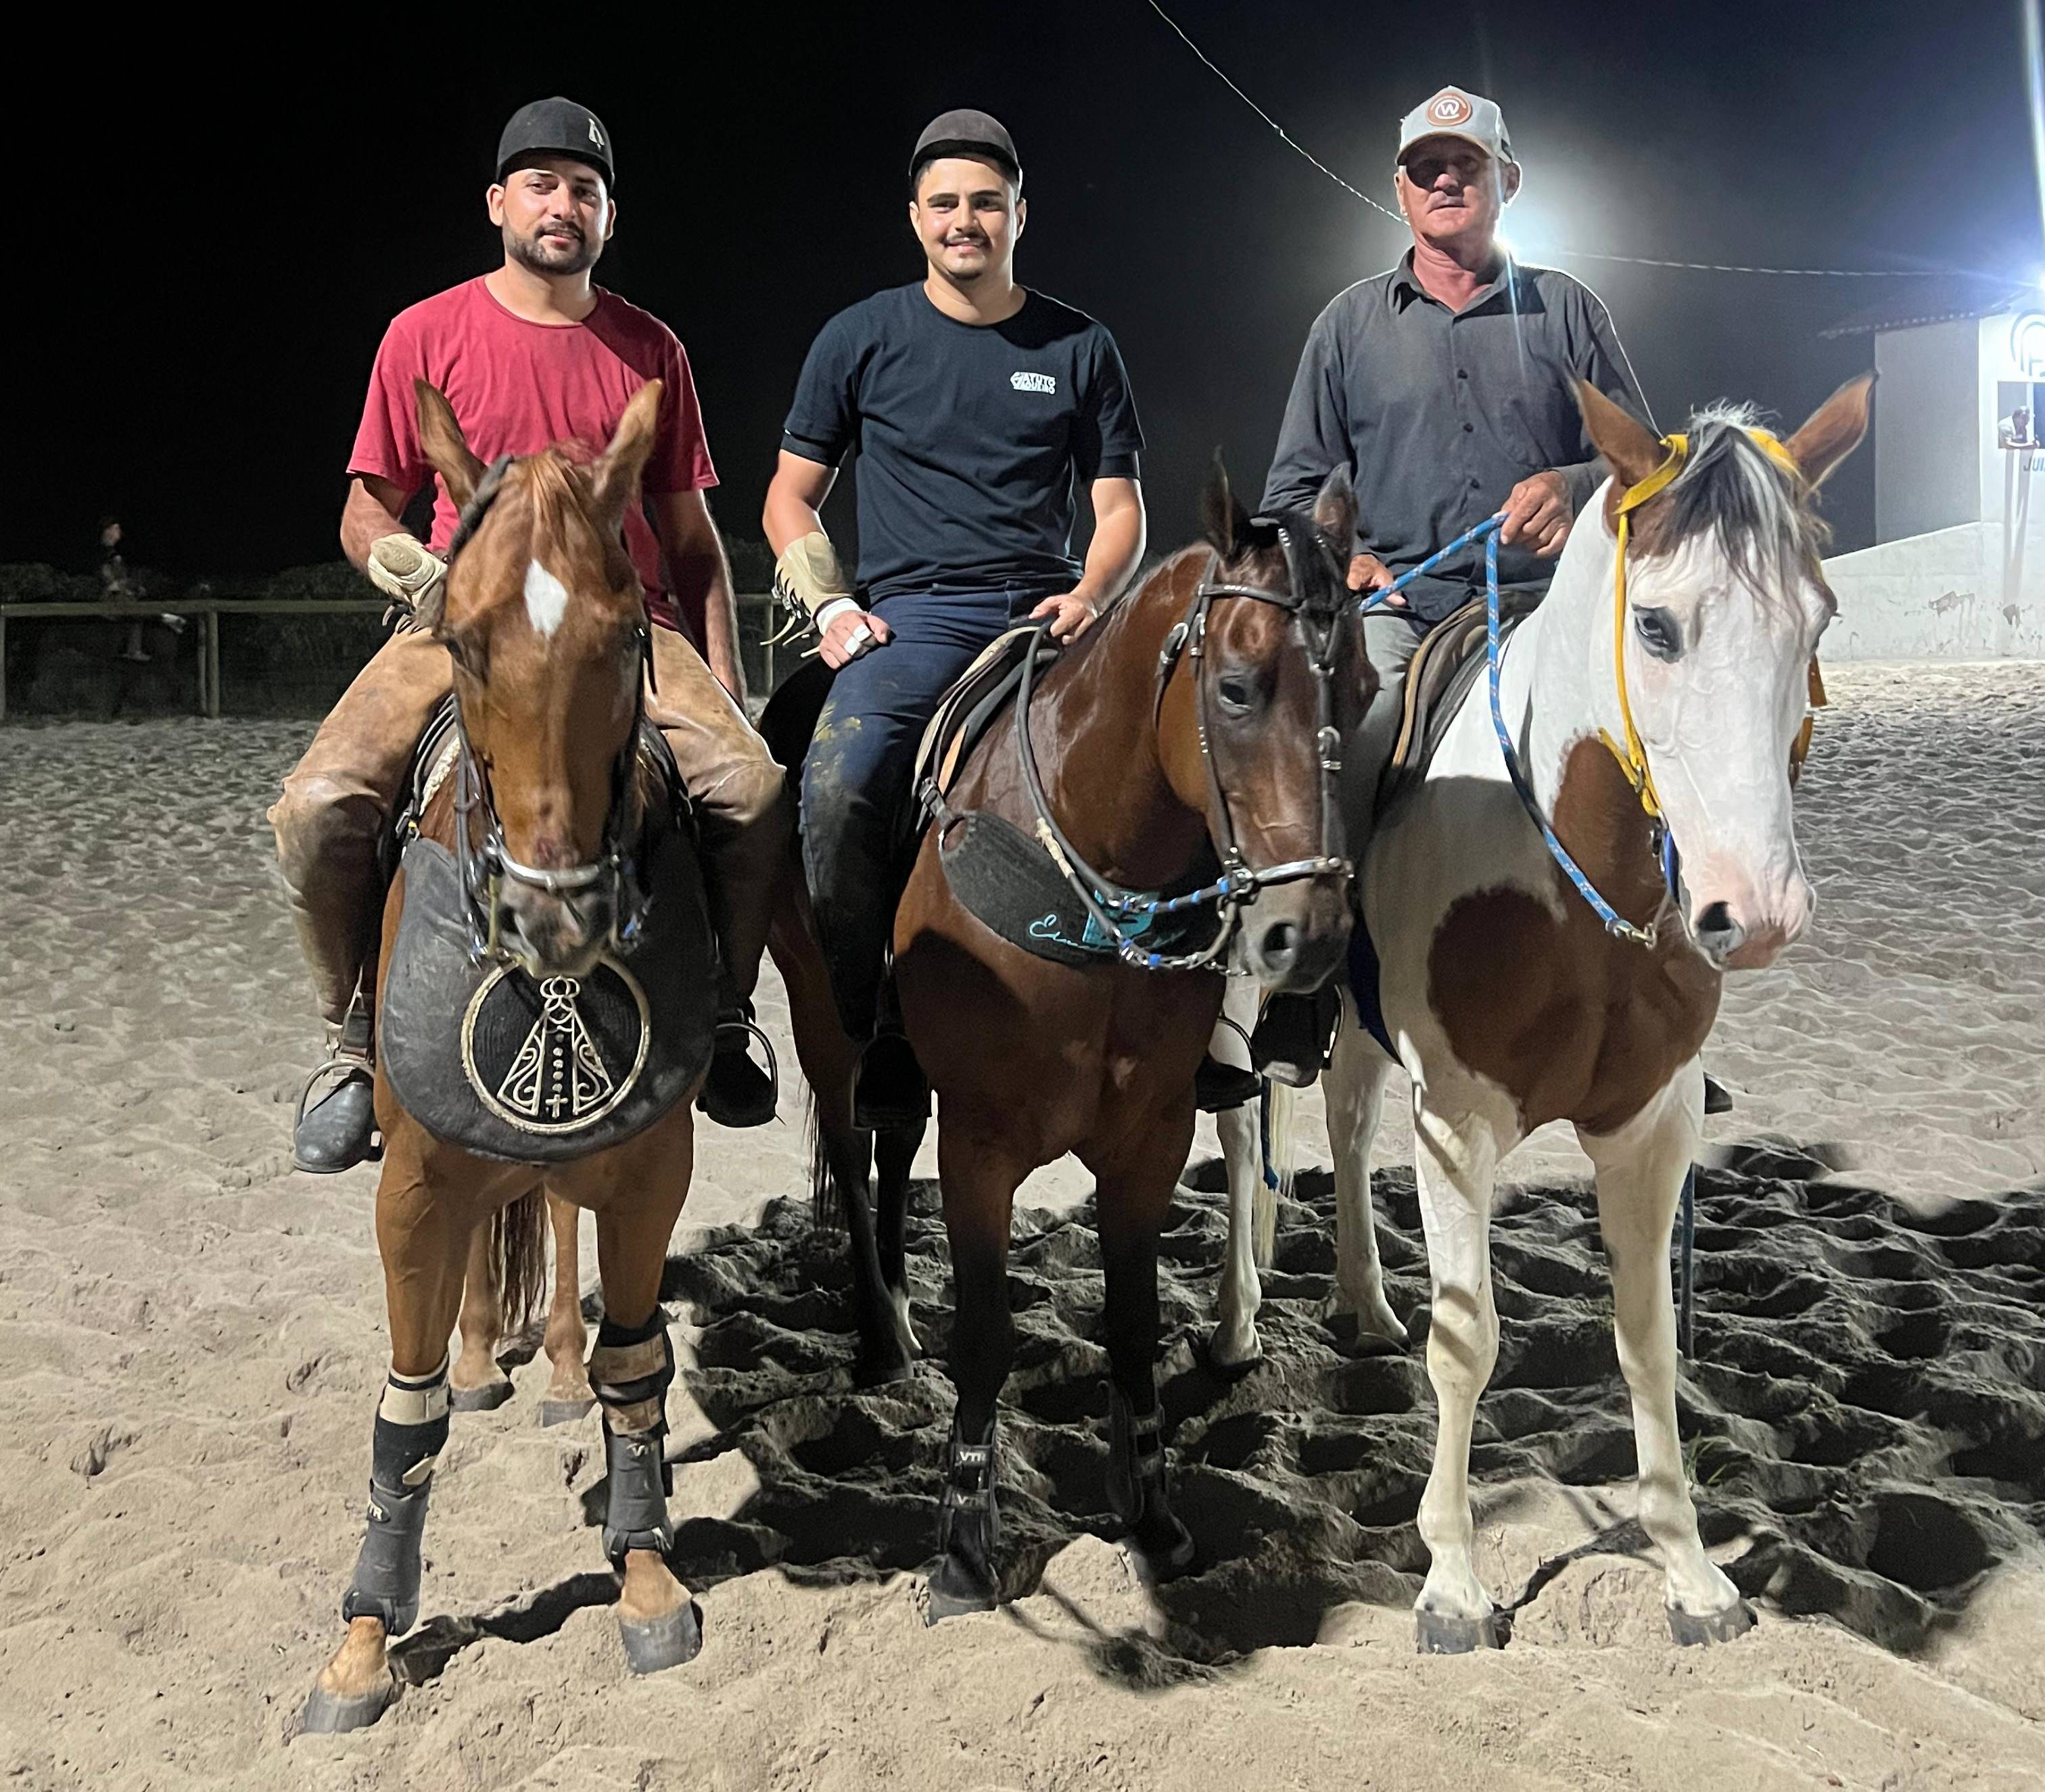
{"points": [[1281, 943], [1717, 931]]}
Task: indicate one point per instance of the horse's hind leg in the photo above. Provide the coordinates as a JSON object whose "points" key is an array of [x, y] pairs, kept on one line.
{"points": [[568, 1395], [1355, 1085], [630, 1369], [422, 1235], [1234, 1343], [475, 1382], [979, 1180], [1132, 1201], [1640, 1172], [1454, 1160], [894, 1157]]}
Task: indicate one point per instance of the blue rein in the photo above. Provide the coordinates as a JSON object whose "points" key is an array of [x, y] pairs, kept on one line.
{"points": [[1616, 923]]}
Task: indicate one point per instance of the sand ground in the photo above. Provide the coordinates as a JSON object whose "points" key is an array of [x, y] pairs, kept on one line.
{"points": [[191, 1338]]}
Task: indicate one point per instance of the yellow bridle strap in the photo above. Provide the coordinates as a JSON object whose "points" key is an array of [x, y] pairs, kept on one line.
{"points": [[1632, 756]]}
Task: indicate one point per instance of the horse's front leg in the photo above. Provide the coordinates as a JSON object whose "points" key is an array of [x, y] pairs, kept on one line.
{"points": [[1234, 1343], [566, 1342], [1640, 1172], [894, 1157], [639, 1189], [1354, 1084], [1132, 1197], [475, 1382], [422, 1235], [1455, 1160]]}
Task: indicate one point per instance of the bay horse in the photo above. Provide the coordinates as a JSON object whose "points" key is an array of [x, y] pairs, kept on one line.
{"points": [[556, 804], [1198, 722], [1654, 699]]}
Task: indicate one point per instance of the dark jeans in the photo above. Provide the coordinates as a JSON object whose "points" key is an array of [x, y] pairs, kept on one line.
{"points": [[856, 780]]}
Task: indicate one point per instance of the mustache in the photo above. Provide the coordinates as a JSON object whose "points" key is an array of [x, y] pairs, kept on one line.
{"points": [[559, 227]]}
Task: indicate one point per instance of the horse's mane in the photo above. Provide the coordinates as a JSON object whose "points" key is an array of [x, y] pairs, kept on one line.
{"points": [[1729, 488]]}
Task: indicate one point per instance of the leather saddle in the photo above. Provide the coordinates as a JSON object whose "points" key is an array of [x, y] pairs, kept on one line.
{"points": [[1445, 666]]}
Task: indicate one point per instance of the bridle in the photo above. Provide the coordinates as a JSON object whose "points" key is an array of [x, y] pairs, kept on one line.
{"points": [[483, 866], [1319, 619]]}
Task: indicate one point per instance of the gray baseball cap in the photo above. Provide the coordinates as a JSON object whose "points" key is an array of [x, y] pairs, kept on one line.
{"points": [[1457, 112], [964, 132], [557, 127]]}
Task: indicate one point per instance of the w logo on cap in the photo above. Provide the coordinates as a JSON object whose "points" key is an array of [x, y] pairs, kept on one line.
{"points": [[1450, 107]]}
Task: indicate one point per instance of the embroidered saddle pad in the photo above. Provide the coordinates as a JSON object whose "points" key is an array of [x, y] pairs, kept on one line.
{"points": [[486, 1059]]}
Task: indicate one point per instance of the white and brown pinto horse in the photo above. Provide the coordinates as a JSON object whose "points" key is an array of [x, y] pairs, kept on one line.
{"points": [[1511, 1004]]}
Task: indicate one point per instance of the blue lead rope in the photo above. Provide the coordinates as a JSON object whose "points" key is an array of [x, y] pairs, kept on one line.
{"points": [[1616, 923]]}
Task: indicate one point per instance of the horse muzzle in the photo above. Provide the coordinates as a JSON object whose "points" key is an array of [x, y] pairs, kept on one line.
{"points": [[556, 933], [1295, 935], [1740, 931]]}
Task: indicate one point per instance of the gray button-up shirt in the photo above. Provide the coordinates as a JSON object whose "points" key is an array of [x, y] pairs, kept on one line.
{"points": [[1437, 414]]}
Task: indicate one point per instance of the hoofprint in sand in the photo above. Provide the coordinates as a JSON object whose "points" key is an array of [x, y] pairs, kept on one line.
{"points": [[191, 1337]]}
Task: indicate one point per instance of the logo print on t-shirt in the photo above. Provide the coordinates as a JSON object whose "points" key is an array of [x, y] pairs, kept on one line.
{"points": [[1034, 382]]}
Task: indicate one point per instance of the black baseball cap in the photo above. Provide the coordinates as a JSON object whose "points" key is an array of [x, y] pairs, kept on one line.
{"points": [[964, 132], [557, 127]]}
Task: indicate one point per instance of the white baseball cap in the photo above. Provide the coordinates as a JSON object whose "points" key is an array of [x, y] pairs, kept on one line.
{"points": [[1454, 112]]}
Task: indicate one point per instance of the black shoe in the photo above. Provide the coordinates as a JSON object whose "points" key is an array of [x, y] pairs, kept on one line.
{"points": [[738, 1093], [1218, 1087], [1718, 1098], [1290, 1042], [339, 1130], [892, 1090]]}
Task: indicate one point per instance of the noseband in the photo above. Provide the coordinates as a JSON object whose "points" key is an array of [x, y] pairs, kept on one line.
{"points": [[484, 866], [1240, 883]]}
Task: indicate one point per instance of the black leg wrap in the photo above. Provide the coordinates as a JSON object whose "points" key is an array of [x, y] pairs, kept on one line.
{"points": [[967, 1578], [386, 1572], [1139, 1492], [630, 1369]]}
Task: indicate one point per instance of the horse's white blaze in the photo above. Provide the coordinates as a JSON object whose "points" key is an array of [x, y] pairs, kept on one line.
{"points": [[546, 600]]}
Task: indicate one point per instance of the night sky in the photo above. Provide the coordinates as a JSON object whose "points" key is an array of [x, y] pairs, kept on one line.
{"points": [[230, 242]]}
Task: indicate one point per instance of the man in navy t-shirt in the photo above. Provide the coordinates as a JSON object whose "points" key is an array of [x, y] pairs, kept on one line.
{"points": [[976, 409]]}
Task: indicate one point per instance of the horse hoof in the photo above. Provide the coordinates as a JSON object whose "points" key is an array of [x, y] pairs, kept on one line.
{"points": [[485, 1399], [1232, 1370], [656, 1643], [1442, 1633], [336, 1713], [1162, 1548], [1690, 1628], [956, 1589], [565, 1411]]}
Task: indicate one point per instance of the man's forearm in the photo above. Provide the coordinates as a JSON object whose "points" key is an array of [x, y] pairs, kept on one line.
{"points": [[721, 629], [366, 518], [1113, 554]]}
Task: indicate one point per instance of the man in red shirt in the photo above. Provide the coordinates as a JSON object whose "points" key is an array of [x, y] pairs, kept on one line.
{"points": [[530, 355]]}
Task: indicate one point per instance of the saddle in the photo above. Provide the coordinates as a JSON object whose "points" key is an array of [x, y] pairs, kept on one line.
{"points": [[486, 1058], [1445, 667]]}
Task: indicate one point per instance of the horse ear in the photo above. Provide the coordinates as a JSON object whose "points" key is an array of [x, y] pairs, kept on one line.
{"points": [[617, 474], [1334, 513], [446, 448], [1632, 449], [1225, 521], [1833, 430]]}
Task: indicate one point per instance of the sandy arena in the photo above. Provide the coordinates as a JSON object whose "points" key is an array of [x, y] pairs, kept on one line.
{"points": [[191, 1340]]}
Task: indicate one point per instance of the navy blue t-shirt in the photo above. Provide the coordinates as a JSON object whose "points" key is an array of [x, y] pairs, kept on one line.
{"points": [[969, 437]]}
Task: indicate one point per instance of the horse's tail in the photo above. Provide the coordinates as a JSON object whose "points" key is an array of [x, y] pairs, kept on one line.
{"points": [[826, 1209], [1279, 1111], [518, 1254]]}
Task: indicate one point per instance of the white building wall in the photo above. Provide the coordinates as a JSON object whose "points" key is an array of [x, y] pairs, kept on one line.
{"points": [[1927, 471], [1976, 592]]}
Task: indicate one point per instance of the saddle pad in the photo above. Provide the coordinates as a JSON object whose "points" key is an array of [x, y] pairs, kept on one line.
{"points": [[1445, 668], [485, 1058], [1011, 886]]}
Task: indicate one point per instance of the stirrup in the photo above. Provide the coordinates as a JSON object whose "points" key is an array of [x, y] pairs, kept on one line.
{"points": [[341, 1066], [740, 1021]]}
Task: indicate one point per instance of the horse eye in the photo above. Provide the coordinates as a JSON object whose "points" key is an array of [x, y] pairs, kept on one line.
{"points": [[1657, 628], [1234, 693]]}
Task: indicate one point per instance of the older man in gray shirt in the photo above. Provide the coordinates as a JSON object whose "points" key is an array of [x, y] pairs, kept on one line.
{"points": [[1446, 388]]}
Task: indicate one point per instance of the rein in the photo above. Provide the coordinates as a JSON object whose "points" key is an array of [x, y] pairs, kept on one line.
{"points": [[1111, 906], [484, 867]]}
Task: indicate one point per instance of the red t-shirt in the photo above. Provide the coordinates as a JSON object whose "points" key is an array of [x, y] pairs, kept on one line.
{"points": [[517, 387]]}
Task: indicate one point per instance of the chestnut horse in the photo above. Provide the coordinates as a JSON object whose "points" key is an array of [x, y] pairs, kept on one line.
{"points": [[1196, 723], [546, 624], [1654, 699]]}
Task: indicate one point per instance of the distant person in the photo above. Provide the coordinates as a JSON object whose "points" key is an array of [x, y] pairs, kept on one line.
{"points": [[1446, 387], [978, 409], [115, 587], [530, 355]]}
